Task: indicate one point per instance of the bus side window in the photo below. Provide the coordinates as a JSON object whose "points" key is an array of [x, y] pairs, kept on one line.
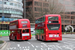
{"points": [[23, 31], [27, 30]]}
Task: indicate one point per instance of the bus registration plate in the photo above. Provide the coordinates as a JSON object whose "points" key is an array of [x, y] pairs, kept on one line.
{"points": [[53, 39]]}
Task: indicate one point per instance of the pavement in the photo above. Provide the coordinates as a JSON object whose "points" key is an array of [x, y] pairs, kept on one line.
{"points": [[68, 36], [63, 36], [3, 45]]}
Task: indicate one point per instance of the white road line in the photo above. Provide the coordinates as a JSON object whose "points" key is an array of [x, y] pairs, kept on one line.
{"points": [[41, 49], [25, 47], [41, 46], [58, 47], [18, 45], [70, 46], [28, 42], [14, 47], [36, 46], [67, 47], [35, 49], [22, 47], [44, 44], [50, 49], [32, 45]]}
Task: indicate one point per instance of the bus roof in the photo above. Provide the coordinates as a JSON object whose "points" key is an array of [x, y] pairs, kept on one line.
{"points": [[48, 15], [19, 19]]}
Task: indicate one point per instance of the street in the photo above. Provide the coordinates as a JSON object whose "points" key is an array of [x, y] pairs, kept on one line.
{"points": [[33, 44]]}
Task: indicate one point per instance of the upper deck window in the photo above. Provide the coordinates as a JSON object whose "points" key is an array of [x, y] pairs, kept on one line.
{"points": [[24, 22], [52, 18]]}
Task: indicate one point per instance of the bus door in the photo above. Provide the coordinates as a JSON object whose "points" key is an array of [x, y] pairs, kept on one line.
{"points": [[25, 33], [19, 34]]}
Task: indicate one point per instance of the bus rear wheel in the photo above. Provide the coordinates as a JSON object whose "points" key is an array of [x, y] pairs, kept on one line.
{"points": [[37, 37], [43, 38], [10, 38], [15, 38]]}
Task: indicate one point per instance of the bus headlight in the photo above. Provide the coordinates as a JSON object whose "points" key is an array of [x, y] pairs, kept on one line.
{"points": [[57, 35]]}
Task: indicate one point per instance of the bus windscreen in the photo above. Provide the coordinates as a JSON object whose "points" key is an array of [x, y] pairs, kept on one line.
{"points": [[53, 26], [52, 18], [23, 21]]}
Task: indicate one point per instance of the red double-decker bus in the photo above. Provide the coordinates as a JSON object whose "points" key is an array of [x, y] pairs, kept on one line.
{"points": [[20, 30], [48, 28]]}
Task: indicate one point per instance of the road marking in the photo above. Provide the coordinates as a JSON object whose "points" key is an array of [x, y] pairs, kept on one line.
{"points": [[18, 45], [50, 49], [41, 49], [32, 45], [41, 46], [58, 47], [22, 47], [35, 49], [36, 46], [44, 44], [28, 42], [14, 47]]}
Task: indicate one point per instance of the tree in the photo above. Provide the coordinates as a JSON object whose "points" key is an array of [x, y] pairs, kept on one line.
{"points": [[55, 7], [30, 15]]}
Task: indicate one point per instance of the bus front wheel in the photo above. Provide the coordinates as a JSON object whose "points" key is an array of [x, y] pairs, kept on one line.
{"points": [[15, 38]]}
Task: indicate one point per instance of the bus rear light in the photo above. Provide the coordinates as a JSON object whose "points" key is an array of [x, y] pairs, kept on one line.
{"points": [[46, 29]]}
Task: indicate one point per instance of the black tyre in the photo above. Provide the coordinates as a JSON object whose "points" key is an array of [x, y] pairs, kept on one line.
{"points": [[43, 38], [10, 38], [15, 38]]}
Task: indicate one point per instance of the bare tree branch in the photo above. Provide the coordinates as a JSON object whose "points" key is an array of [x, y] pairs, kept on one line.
{"points": [[55, 7], [30, 15]]}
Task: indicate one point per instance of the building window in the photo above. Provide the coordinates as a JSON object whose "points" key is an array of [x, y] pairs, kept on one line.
{"points": [[37, 3], [4, 2], [11, 3]]}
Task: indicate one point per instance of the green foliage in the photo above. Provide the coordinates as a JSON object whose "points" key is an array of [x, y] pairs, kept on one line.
{"points": [[1, 42]]}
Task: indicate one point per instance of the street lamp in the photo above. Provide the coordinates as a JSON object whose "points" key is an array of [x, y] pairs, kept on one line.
{"points": [[24, 9], [2, 10]]}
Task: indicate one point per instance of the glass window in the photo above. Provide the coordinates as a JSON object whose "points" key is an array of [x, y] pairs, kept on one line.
{"points": [[52, 18], [53, 26], [24, 22], [40, 20], [4, 2], [11, 3]]}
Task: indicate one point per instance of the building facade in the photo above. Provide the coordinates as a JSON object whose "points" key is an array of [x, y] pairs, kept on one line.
{"points": [[9, 10], [68, 17], [41, 7], [36, 8]]}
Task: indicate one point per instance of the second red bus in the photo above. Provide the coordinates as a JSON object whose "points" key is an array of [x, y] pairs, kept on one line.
{"points": [[48, 28]]}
